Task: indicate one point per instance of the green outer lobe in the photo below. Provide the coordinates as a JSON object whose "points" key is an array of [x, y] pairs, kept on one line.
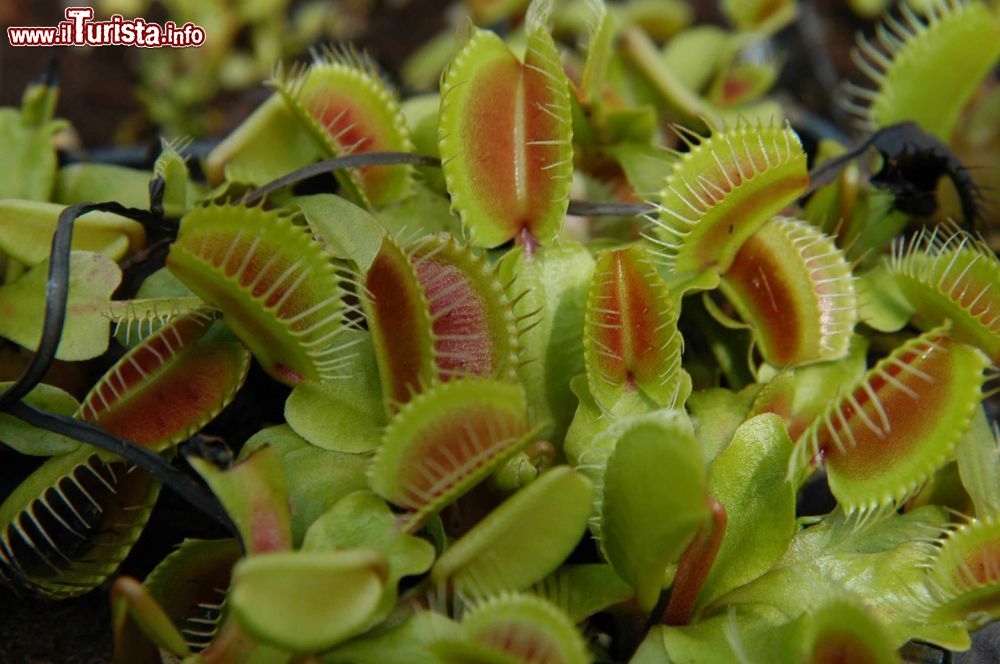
{"points": [[527, 628], [277, 290], [26, 439], [965, 574], [446, 440], [951, 276], [794, 287], [646, 522], [951, 56], [723, 190], [349, 109], [523, 539], [878, 449], [93, 278], [631, 340], [266, 145], [505, 138], [748, 478], [254, 491], [307, 601], [27, 227], [170, 385], [549, 291], [104, 548], [196, 573], [400, 322]]}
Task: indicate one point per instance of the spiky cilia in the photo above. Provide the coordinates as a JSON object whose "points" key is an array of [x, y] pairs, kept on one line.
{"points": [[170, 385], [948, 274], [437, 312], [71, 523], [276, 288], [794, 286], [724, 188], [950, 51], [506, 136], [885, 435], [445, 441], [964, 576], [350, 109]]}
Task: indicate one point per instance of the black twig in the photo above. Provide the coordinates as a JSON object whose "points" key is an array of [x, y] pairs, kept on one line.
{"points": [[338, 163], [56, 296]]}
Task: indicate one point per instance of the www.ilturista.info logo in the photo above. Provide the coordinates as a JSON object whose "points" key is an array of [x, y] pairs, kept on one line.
{"points": [[79, 29]]}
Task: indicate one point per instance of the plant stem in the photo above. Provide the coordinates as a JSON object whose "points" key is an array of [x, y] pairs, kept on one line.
{"points": [[694, 566]]}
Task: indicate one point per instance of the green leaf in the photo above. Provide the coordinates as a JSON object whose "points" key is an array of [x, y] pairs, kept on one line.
{"points": [[978, 456], [583, 590], [27, 227], [406, 643], [515, 629], [515, 116], [27, 439], [522, 540], [132, 603], [646, 523], [28, 168], [270, 143], [93, 278], [307, 601], [317, 478], [447, 440], [881, 303], [748, 478], [345, 415], [278, 291], [87, 182], [255, 494], [363, 520], [346, 230], [716, 413], [549, 289]]}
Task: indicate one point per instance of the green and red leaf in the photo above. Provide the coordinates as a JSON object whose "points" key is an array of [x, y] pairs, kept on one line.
{"points": [[886, 434], [171, 385], [447, 440], [631, 342], [277, 289], [794, 287], [506, 137], [437, 312], [723, 190], [350, 109]]}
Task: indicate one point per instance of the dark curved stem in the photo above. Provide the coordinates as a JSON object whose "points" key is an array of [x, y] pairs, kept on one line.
{"points": [[57, 293], [149, 461], [694, 566], [592, 209], [576, 208], [337, 163], [56, 296]]}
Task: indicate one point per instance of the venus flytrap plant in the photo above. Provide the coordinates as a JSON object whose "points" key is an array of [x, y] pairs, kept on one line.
{"points": [[516, 117], [349, 109], [722, 191], [529, 444]]}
